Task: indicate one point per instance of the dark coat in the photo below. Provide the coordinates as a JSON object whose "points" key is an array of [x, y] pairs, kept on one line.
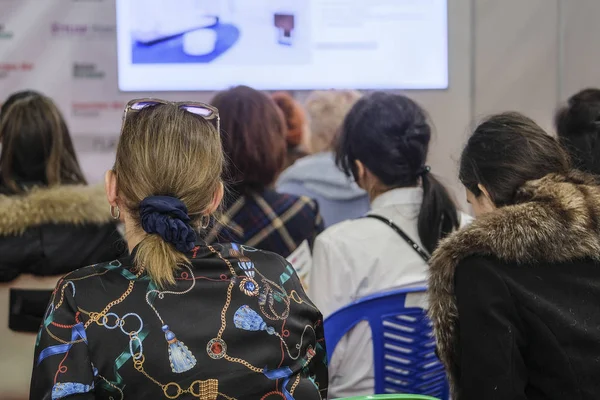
{"points": [[237, 322], [51, 232], [515, 297]]}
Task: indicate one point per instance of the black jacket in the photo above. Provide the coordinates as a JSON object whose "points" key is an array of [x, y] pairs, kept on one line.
{"points": [[53, 231], [515, 297]]}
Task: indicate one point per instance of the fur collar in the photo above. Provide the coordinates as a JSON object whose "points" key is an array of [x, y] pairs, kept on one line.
{"points": [[68, 204], [555, 219]]}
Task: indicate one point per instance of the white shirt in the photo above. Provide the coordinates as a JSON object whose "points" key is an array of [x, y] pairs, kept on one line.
{"points": [[359, 257]]}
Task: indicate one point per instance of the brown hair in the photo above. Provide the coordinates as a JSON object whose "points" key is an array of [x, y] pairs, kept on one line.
{"points": [[504, 152], [36, 145], [326, 112], [166, 151], [253, 131]]}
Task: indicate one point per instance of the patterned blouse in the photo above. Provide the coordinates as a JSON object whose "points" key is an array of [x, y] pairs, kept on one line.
{"points": [[237, 325]]}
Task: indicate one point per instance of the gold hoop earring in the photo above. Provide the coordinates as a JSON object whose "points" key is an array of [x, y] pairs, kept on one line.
{"points": [[205, 221], [115, 213]]}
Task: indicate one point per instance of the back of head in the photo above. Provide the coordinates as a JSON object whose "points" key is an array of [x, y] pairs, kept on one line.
{"points": [[578, 128], [390, 135], [504, 152], [253, 131], [326, 111], [36, 145], [294, 118], [167, 151]]}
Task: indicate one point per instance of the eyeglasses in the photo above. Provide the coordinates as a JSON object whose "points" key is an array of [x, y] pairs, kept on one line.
{"points": [[206, 111]]}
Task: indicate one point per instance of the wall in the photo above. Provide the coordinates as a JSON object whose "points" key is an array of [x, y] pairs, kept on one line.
{"points": [[527, 56], [504, 55]]}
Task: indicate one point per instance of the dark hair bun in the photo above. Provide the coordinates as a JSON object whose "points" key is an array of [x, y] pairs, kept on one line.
{"points": [[389, 134], [581, 115]]}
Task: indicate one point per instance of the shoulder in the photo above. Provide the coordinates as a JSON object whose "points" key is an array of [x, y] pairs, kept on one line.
{"points": [[101, 271], [299, 170], [476, 268], [268, 264], [289, 203], [68, 204], [348, 233], [296, 188]]}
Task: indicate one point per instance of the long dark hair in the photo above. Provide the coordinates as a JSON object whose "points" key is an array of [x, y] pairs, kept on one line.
{"points": [[504, 152], [578, 128], [389, 134], [36, 145]]}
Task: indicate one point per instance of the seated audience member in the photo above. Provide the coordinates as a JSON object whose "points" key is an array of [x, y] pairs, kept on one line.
{"points": [[317, 176], [253, 133], [383, 144], [514, 296], [178, 318], [578, 128], [295, 121], [50, 224]]}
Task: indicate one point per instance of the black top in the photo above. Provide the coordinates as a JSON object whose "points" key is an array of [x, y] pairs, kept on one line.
{"points": [[515, 297], [51, 232], [528, 331], [237, 325]]}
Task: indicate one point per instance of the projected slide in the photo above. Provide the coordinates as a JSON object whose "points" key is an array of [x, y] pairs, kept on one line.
{"points": [[282, 44]]}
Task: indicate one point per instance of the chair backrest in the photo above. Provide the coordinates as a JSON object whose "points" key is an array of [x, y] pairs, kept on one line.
{"points": [[17, 348], [403, 342]]}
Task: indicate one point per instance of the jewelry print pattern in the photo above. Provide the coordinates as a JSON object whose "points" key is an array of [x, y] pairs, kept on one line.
{"points": [[264, 332]]}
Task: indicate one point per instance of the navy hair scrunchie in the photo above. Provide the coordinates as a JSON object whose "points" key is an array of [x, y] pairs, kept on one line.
{"points": [[168, 217]]}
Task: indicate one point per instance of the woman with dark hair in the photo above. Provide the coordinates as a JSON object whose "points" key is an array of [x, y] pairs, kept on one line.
{"points": [[51, 223], [178, 318], [383, 144], [253, 132], [578, 128], [514, 297]]}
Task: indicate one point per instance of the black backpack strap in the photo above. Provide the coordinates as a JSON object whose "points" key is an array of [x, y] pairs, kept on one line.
{"points": [[403, 235]]}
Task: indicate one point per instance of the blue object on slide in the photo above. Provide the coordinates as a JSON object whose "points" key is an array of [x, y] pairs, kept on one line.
{"points": [[170, 51], [403, 343]]}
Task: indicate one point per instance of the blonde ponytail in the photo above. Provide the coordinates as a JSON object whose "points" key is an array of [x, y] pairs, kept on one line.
{"points": [[159, 259]]}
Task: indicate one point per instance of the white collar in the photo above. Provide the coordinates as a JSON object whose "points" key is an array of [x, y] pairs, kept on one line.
{"points": [[400, 196]]}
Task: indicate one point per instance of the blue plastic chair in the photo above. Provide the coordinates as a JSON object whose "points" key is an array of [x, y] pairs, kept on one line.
{"points": [[403, 343]]}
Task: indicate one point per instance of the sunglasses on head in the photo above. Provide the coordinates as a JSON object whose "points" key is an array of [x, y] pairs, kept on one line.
{"points": [[204, 110]]}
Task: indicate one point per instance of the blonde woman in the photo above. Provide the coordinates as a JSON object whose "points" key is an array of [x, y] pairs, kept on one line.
{"points": [[316, 176], [178, 319]]}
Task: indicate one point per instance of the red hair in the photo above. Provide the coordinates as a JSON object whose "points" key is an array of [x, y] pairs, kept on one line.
{"points": [[295, 118]]}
